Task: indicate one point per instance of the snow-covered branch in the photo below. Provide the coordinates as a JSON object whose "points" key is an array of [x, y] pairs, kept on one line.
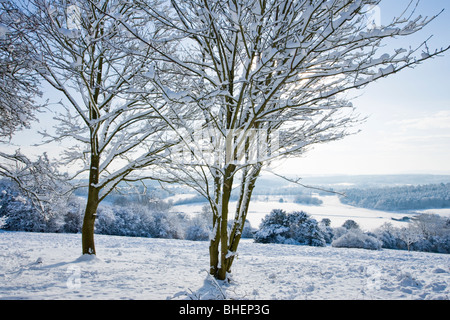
{"points": [[19, 85], [267, 79], [112, 108]]}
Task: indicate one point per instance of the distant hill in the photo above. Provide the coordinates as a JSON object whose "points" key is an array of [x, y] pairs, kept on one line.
{"points": [[271, 184], [427, 196]]}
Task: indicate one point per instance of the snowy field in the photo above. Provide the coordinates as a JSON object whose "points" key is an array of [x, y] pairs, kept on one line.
{"points": [[331, 208], [49, 266]]}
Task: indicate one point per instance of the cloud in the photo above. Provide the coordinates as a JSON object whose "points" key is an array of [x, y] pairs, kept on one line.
{"points": [[435, 121]]}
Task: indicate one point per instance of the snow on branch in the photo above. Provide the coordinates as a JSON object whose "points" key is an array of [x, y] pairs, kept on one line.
{"points": [[279, 67]]}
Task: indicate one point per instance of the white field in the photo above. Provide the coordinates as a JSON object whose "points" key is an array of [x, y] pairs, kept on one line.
{"points": [[49, 266]]}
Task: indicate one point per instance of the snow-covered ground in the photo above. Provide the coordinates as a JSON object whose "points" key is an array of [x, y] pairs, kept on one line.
{"points": [[49, 266], [331, 208]]}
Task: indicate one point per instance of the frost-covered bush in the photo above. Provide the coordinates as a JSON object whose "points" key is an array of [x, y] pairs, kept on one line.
{"points": [[274, 228], [167, 225], [425, 232], [389, 237], [308, 199], [199, 227], [306, 230], [138, 221], [21, 214], [355, 238], [73, 217], [350, 224], [327, 230], [440, 244], [248, 231], [294, 228], [197, 232], [339, 232]]}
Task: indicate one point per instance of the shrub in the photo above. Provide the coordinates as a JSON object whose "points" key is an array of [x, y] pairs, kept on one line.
{"points": [[350, 224], [355, 238], [138, 221], [273, 227], [389, 237], [248, 231], [21, 214], [73, 219], [197, 232], [294, 228], [307, 199], [327, 230]]}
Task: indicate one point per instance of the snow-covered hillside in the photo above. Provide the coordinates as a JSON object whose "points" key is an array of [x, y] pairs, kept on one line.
{"points": [[49, 266]]}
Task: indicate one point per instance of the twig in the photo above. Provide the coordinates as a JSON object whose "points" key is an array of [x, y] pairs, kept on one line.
{"points": [[296, 181]]}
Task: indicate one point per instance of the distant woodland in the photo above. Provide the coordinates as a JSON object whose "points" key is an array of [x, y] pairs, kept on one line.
{"points": [[400, 198]]}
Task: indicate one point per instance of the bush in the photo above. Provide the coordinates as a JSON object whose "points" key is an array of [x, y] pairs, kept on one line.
{"points": [[425, 232], [197, 232], [138, 221], [248, 231], [307, 199], [294, 228], [273, 227], [73, 218], [21, 214], [350, 224], [327, 230], [389, 237], [355, 238]]}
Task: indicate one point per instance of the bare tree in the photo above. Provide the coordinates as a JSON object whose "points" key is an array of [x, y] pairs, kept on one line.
{"points": [[268, 80], [102, 73], [428, 225], [409, 235]]}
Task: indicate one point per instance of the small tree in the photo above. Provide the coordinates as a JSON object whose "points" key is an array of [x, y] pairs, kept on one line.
{"points": [[428, 225], [350, 224], [409, 235], [103, 74]]}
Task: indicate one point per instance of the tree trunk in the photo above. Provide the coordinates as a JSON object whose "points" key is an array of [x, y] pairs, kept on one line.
{"points": [[214, 249], [215, 238], [222, 224], [87, 237], [241, 214]]}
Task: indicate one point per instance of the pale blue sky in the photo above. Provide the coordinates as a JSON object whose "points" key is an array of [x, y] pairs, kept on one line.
{"points": [[408, 125]]}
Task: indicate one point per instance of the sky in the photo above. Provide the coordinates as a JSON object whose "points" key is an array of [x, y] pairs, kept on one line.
{"points": [[407, 129]]}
